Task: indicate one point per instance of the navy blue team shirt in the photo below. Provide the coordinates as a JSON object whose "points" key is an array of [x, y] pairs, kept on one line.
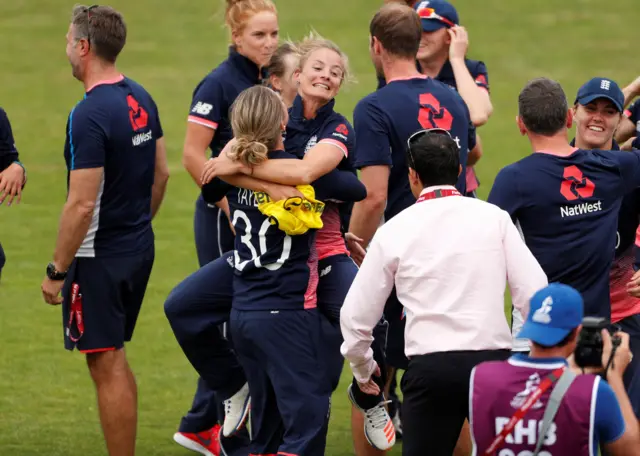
{"points": [[633, 113], [567, 210], [116, 127], [274, 271], [384, 120], [8, 151], [327, 126], [215, 94]]}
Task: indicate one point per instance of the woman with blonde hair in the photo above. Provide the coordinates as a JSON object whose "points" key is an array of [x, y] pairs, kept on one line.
{"points": [[275, 323], [280, 71], [325, 140], [253, 28]]}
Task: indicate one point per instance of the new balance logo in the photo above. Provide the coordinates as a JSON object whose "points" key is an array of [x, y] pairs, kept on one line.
{"points": [[605, 85], [141, 138], [202, 108], [325, 271]]}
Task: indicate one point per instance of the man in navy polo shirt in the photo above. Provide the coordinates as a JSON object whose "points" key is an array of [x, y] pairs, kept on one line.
{"points": [[117, 175], [566, 200], [442, 56], [13, 176], [384, 121]]}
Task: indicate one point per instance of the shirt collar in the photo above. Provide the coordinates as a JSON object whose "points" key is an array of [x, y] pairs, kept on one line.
{"points": [[433, 188], [614, 145], [520, 358], [446, 72], [246, 66], [296, 112]]}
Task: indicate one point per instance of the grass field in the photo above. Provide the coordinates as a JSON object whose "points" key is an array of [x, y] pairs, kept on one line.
{"points": [[47, 404]]}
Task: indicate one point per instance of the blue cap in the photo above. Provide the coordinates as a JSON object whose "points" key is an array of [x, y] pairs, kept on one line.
{"points": [[601, 88], [554, 312], [436, 14]]}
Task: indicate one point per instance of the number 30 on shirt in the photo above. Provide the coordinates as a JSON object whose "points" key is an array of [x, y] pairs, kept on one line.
{"points": [[247, 239]]}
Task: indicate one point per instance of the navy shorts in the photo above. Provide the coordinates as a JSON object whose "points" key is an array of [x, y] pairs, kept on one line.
{"points": [[110, 292], [290, 391]]}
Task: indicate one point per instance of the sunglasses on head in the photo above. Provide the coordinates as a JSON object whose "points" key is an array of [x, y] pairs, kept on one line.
{"points": [[430, 13], [88, 10], [419, 134]]}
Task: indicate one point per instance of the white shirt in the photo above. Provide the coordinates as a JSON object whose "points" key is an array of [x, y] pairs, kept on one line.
{"points": [[449, 259]]}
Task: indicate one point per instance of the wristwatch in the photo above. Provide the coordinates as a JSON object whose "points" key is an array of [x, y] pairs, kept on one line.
{"points": [[54, 274]]}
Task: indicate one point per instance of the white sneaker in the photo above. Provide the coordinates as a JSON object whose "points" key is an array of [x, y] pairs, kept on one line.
{"points": [[236, 409], [378, 426]]}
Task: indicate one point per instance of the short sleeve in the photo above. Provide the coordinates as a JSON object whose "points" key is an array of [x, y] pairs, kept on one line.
{"points": [[504, 192], [481, 76], [633, 111], [87, 133], [629, 165], [608, 421], [157, 127], [471, 140], [340, 134], [208, 105], [372, 147]]}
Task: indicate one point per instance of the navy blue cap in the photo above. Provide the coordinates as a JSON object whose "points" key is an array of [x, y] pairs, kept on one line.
{"points": [[554, 312], [601, 88], [436, 14]]}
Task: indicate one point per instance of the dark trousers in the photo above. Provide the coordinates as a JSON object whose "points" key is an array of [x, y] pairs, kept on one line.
{"points": [[196, 308], [290, 392], [435, 390], [213, 238], [367, 401], [336, 275], [631, 378]]}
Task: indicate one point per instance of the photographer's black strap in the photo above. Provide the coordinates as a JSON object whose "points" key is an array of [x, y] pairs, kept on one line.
{"points": [[558, 392]]}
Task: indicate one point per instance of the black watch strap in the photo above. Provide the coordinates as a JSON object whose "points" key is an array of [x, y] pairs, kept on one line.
{"points": [[54, 274]]}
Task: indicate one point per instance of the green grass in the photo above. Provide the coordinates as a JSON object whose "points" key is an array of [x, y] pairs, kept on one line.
{"points": [[47, 401]]}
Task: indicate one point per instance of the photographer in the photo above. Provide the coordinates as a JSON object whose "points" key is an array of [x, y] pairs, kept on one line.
{"points": [[12, 173], [511, 400]]}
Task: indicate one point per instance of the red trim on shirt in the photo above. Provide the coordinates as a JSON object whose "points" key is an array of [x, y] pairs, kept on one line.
{"points": [[336, 143], [98, 350], [106, 81], [549, 152], [203, 122], [421, 76]]}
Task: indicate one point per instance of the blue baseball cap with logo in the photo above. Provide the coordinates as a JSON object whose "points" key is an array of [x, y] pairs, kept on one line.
{"points": [[554, 312], [436, 14], [601, 88]]}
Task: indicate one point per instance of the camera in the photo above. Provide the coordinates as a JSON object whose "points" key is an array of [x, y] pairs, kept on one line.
{"points": [[588, 351]]}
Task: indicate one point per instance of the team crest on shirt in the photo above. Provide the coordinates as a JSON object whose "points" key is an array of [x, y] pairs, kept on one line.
{"points": [[532, 385], [312, 142]]}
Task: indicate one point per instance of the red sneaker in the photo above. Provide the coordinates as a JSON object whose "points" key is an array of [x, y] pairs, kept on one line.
{"points": [[205, 442]]}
